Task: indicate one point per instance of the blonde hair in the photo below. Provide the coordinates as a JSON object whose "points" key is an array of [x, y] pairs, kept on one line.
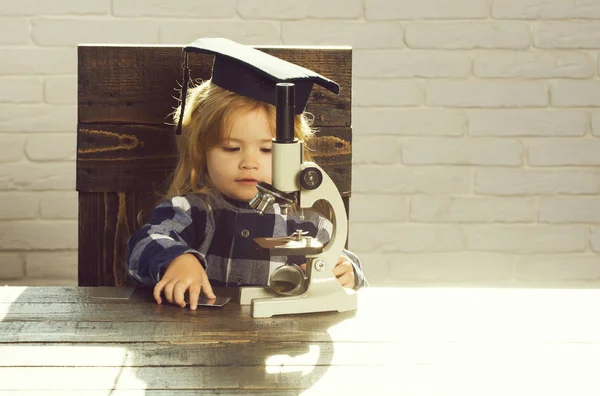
{"points": [[206, 120]]}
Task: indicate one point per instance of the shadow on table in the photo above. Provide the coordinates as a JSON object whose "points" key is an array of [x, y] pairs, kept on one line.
{"points": [[68, 341]]}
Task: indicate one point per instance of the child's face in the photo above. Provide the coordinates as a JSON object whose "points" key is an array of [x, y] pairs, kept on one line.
{"points": [[237, 164]]}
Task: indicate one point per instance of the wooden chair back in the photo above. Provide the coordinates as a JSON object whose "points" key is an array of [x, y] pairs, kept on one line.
{"points": [[126, 143]]}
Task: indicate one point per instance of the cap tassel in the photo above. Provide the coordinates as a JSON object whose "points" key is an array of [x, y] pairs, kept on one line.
{"points": [[186, 78]]}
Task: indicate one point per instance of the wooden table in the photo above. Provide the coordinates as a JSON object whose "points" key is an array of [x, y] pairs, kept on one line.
{"points": [[401, 341]]}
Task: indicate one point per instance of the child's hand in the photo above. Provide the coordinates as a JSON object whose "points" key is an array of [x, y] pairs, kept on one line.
{"points": [[343, 270], [182, 274]]}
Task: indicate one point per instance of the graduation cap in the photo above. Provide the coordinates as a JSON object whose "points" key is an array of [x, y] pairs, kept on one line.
{"points": [[252, 73]]}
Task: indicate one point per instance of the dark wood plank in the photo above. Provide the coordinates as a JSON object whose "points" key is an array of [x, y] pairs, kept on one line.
{"points": [[138, 84], [128, 158], [159, 323], [84, 295], [124, 158], [96, 311], [106, 220], [322, 379], [214, 354]]}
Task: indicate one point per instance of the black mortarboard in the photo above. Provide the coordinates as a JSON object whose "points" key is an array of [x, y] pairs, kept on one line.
{"points": [[252, 73]]}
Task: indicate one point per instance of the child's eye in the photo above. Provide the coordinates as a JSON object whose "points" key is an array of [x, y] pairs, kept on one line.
{"points": [[231, 149], [266, 149]]}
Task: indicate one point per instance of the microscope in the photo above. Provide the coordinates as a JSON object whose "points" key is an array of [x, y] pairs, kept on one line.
{"points": [[301, 183]]}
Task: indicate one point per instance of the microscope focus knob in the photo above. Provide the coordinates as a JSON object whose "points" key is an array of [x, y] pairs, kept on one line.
{"points": [[311, 178]]}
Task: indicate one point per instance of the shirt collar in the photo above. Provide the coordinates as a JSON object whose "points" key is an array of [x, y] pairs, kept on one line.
{"points": [[235, 202]]}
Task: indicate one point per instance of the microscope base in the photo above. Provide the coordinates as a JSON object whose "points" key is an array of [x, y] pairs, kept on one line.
{"points": [[249, 293], [326, 299]]}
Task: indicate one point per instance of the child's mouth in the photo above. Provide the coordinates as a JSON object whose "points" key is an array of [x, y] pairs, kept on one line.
{"points": [[248, 182]]}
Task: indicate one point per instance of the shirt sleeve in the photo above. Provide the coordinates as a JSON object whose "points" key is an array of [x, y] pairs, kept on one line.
{"points": [[178, 226], [321, 228]]}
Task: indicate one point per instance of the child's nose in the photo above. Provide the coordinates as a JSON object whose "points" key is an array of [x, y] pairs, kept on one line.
{"points": [[249, 161]]}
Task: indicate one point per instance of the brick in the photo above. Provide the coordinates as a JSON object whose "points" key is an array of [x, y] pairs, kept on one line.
{"points": [[390, 237], [595, 239], [569, 210], [565, 93], [358, 34], [71, 32], [14, 31], [579, 34], [52, 265], [416, 122], [204, 9], [387, 93], [410, 63], [563, 152], [561, 267], [376, 268], [525, 239], [445, 209], [54, 7], [372, 179], [38, 61], [51, 147], [19, 205], [468, 35], [526, 122], [596, 124], [471, 151], [538, 64], [456, 268], [544, 9], [272, 9], [37, 118], [40, 282], [426, 9], [375, 150], [334, 9], [61, 90], [21, 90], [59, 205], [486, 94], [11, 147], [244, 32], [33, 234], [44, 176], [390, 208], [12, 266], [537, 182]]}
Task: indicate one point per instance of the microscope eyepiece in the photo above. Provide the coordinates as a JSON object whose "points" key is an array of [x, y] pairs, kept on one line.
{"points": [[285, 110]]}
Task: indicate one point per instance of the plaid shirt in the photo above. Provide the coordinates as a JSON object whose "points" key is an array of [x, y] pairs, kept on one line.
{"points": [[220, 232]]}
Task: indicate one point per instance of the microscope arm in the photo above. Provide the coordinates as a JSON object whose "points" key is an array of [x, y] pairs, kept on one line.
{"points": [[328, 191]]}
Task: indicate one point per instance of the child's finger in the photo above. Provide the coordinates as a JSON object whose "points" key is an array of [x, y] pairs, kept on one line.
{"points": [[341, 268], [207, 289], [168, 290], [347, 280], [194, 294], [303, 266], [157, 290], [179, 293]]}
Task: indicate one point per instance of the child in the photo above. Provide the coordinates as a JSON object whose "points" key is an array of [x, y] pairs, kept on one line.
{"points": [[202, 234]]}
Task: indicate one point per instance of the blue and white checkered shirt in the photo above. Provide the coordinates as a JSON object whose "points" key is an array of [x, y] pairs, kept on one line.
{"points": [[219, 231]]}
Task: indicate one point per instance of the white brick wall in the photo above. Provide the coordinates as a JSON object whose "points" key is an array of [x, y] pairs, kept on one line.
{"points": [[476, 128]]}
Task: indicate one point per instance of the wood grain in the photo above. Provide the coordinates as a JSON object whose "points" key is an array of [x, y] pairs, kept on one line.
{"points": [[140, 84], [140, 158], [417, 341]]}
